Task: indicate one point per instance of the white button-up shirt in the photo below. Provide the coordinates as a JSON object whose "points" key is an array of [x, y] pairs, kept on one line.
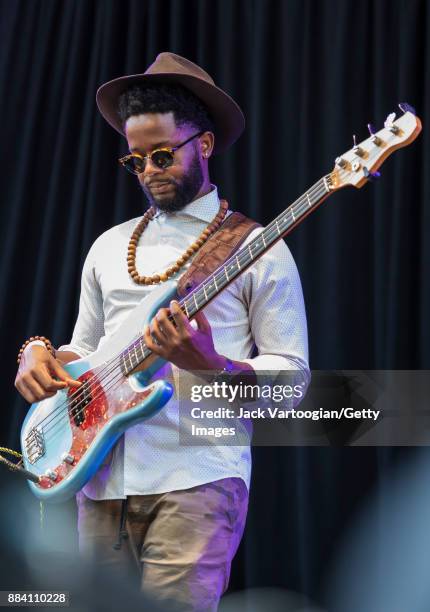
{"points": [[262, 308]]}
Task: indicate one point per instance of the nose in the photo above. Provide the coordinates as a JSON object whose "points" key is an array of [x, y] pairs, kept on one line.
{"points": [[150, 169]]}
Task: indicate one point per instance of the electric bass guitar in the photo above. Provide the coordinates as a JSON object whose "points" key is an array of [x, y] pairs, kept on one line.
{"points": [[65, 438]]}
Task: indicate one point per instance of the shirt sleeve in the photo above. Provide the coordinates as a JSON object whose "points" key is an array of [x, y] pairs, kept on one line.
{"points": [[273, 293], [89, 326]]}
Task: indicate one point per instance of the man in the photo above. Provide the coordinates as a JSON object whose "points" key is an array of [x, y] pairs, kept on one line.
{"points": [[186, 505]]}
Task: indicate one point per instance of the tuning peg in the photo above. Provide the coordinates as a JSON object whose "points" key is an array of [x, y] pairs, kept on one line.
{"points": [[372, 132], [342, 163], [407, 108], [389, 120], [357, 150], [389, 123], [371, 175]]}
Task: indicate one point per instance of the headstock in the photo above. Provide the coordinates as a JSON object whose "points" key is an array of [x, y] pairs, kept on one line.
{"points": [[360, 164]]}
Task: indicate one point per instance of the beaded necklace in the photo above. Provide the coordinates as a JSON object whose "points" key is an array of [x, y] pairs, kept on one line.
{"points": [[199, 242]]}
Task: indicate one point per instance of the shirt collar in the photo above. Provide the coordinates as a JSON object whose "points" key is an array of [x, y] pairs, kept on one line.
{"points": [[204, 208]]}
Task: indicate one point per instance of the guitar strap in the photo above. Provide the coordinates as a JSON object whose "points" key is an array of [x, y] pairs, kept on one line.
{"points": [[221, 245]]}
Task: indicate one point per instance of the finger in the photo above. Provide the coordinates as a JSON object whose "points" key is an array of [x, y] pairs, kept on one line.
{"points": [[180, 319], [157, 334], [24, 391], [62, 374], [42, 376], [149, 341], [36, 393], [159, 321], [202, 322], [166, 322]]}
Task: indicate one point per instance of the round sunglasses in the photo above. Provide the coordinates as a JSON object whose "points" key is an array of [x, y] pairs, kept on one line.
{"points": [[162, 158]]}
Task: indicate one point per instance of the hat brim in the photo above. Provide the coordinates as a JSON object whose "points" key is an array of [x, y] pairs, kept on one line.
{"points": [[227, 116]]}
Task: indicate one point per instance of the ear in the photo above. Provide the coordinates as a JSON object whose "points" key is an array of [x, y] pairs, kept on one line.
{"points": [[207, 141]]}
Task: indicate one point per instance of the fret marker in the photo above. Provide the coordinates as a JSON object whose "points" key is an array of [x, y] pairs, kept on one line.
{"points": [[292, 214]]}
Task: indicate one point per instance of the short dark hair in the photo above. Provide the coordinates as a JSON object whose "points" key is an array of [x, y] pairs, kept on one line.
{"points": [[165, 98]]}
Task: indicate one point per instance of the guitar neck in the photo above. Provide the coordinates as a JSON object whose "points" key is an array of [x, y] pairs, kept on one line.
{"points": [[247, 255], [354, 167], [196, 300]]}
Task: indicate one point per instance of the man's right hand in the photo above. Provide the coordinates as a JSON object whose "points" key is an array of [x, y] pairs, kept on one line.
{"points": [[37, 374]]}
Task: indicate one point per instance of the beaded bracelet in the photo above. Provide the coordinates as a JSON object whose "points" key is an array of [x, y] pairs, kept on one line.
{"points": [[27, 342]]}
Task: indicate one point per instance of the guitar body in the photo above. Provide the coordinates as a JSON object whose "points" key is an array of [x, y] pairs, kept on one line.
{"points": [[65, 438]]}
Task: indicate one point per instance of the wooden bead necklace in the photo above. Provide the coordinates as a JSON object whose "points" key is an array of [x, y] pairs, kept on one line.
{"points": [[160, 278]]}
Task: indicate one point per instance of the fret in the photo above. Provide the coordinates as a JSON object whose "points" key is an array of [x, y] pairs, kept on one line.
{"points": [[135, 353], [250, 251], [204, 291], [123, 365], [238, 262], [131, 357], [126, 366], [142, 349], [277, 226], [195, 301], [216, 286], [186, 309], [226, 273], [263, 239], [309, 200], [292, 214]]}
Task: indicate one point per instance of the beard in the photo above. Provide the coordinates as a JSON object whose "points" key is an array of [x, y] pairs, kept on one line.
{"points": [[185, 190]]}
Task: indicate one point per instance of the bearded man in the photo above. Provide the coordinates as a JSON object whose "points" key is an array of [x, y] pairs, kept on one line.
{"points": [[183, 507]]}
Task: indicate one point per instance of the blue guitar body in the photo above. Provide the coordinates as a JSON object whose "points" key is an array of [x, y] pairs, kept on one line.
{"points": [[66, 438]]}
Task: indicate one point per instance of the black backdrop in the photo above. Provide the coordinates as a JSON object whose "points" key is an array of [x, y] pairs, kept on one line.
{"points": [[308, 74]]}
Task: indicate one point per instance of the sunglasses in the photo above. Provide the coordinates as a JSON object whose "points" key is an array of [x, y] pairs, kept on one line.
{"points": [[162, 158]]}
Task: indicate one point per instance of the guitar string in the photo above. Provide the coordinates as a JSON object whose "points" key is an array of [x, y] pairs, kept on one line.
{"points": [[88, 382], [272, 232], [319, 186]]}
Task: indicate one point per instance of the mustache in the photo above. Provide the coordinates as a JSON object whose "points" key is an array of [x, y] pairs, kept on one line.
{"points": [[156, 183]]}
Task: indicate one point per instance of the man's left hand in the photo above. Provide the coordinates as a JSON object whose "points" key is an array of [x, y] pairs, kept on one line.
{"points": [[178, 342]]}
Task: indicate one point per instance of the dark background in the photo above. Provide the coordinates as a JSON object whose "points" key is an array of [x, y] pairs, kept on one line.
{"points": [[308, 74]]}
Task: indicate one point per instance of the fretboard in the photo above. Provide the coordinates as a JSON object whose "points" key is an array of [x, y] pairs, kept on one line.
{"points": [[198, 298]]}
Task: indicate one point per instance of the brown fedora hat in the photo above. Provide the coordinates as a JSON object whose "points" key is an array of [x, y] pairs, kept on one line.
{"points": [[171, 68]]}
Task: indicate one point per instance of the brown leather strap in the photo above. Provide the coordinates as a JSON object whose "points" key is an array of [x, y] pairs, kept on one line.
{"points": [[221, 245]]}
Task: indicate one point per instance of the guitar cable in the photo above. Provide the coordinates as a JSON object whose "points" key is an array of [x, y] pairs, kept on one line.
{"points": [[16, 467]]}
